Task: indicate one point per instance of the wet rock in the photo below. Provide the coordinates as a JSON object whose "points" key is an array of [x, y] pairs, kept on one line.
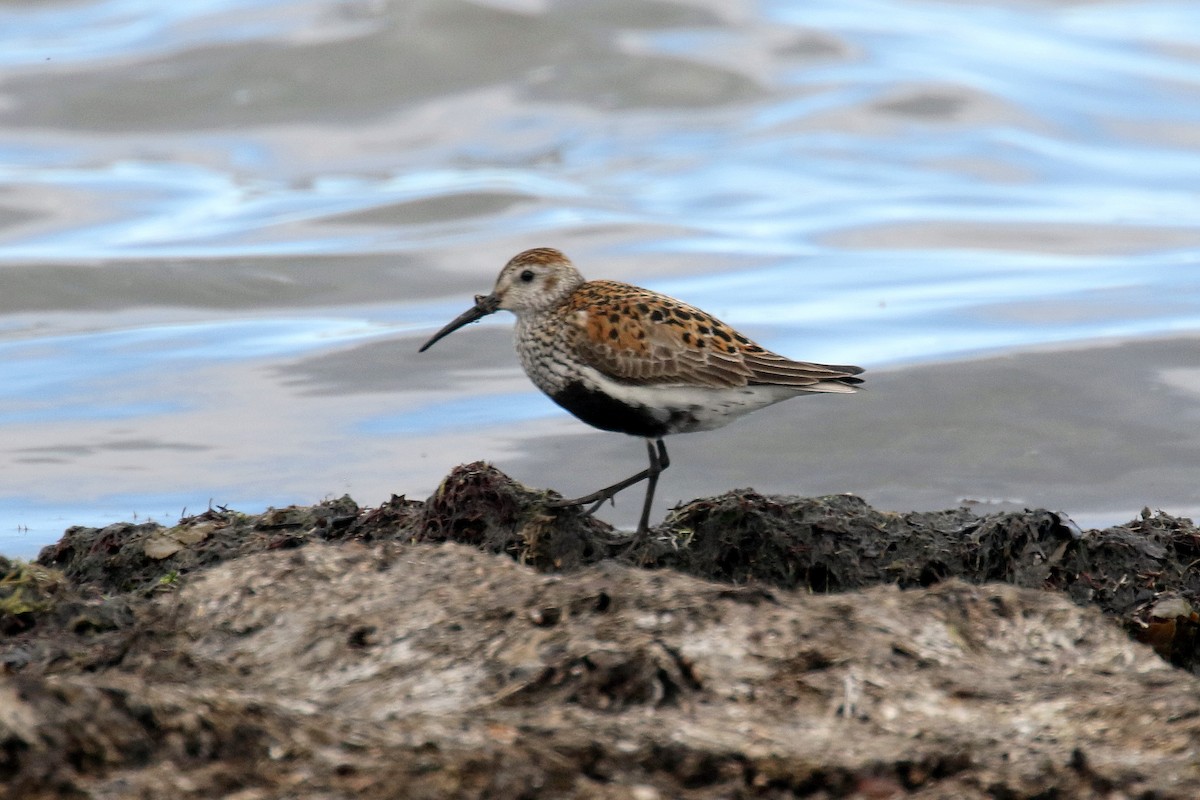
{"points": [[479, 505], [480, 644], [140, 557], [839, 543], [26, 591], [645, 681]]}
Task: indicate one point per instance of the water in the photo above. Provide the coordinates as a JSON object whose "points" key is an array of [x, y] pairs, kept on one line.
{"points": [[225, 226]]}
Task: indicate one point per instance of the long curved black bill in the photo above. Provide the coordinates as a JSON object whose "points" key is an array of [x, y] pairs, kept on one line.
{"points": [[484, 305]]}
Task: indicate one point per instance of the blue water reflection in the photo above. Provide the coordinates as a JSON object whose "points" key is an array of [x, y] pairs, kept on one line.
{"points": [[184, 197], [169, 210], [82, 32], [478, 410], [94, 376]]}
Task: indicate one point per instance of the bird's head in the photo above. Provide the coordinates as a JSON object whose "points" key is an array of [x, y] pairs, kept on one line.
{"points": [[532, 282]]}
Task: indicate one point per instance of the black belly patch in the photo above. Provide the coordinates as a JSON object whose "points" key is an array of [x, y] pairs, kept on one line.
{"points": [[609, 414]]}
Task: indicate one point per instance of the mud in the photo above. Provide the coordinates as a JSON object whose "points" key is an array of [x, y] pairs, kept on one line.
{"points": [[477, 644]]}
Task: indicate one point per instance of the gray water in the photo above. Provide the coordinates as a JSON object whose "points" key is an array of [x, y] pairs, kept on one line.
{"points": [[225, 227]]}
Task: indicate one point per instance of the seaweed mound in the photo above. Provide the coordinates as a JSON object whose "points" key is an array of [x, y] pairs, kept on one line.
{"points": [[480, 645]]}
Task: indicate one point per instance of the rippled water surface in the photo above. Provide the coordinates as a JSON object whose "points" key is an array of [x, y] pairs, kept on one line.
{"points": [[226, 225]]}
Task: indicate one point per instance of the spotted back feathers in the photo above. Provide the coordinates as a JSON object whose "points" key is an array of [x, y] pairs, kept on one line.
{"points": [[642, 337]]}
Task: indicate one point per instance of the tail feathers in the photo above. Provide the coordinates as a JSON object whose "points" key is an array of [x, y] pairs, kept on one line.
{"points": [[769, 368]]}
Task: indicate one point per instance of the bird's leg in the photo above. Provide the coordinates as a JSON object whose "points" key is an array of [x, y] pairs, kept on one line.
{"points": [[658, 462], [608, 492]]}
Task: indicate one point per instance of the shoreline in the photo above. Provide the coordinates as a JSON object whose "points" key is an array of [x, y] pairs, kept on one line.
{"points": [[1098, 432]]}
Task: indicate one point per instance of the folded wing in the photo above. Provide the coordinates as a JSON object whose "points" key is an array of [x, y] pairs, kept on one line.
{"points": [[644, 338]]}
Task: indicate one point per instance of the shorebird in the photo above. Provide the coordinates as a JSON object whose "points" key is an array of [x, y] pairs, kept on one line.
{"points": [[626, 359]]}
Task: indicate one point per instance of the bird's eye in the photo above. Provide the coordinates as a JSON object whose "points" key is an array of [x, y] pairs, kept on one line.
{"points": [[527, 275]]}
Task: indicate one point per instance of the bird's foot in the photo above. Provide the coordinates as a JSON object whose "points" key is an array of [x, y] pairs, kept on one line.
{"points": [[597, 499]]}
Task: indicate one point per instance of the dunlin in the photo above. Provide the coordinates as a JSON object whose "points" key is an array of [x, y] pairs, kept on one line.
{"points": [[630, 360]]}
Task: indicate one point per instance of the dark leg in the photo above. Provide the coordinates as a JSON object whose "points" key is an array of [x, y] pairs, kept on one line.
{"points": [[658, 462]]}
